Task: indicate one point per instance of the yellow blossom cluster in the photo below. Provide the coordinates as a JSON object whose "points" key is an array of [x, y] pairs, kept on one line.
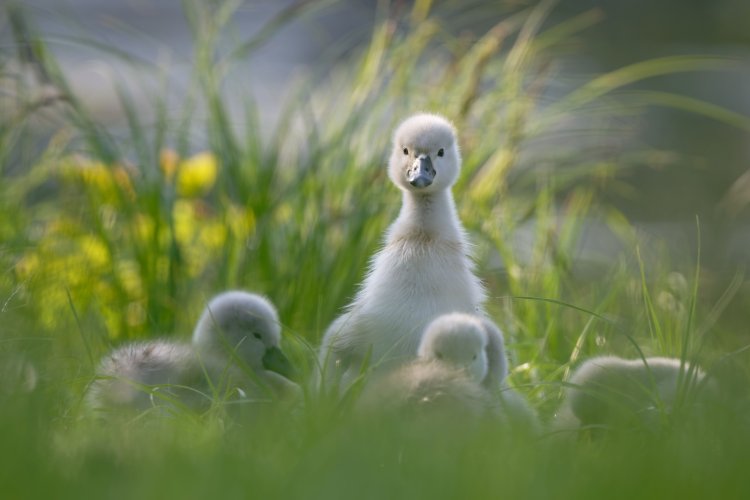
{"points": [[118, 263]]}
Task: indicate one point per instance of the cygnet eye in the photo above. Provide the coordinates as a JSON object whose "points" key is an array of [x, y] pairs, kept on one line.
{"points": [[474, 358], [257, 335], [438, 355], [406, 151], [441, 153]]}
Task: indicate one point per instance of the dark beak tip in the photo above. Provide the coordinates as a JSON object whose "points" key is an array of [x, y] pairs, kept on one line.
{"points": [[421, 174], [420, 182], [274, 360]]}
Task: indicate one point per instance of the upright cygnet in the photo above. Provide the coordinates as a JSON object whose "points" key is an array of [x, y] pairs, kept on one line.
{"points": [[423, 269], [609, 390]]}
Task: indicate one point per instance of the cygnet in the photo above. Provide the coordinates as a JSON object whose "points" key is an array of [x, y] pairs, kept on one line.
{"points": [[245, 328], [608, 390], [235, 353], [459, 340], [423, 270]]}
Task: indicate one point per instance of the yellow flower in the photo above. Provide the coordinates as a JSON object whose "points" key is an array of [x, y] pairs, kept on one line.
{"points": [[197, 175], [213, 235], [168, 162], [94, 252], [185, 225], [283, 213], [107, 180], [121, 176], [241, 221], [28, 266]]}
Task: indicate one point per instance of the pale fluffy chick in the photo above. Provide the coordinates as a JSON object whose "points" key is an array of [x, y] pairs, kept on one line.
{"points": [[458, 340], [156, 374], [235, 352], [423, 270], [611, 391], [244, 328], [427, 389], [447, 377]]}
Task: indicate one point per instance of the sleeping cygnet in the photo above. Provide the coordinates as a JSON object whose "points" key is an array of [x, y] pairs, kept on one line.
{"points": [[234, 354], [609, 391], [423, 269]]}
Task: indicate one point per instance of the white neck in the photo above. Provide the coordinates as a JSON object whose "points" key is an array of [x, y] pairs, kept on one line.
{"points": [[430, 214]]}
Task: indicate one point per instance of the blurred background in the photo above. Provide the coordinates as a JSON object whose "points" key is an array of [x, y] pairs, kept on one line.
{"points": [[701, 176]]}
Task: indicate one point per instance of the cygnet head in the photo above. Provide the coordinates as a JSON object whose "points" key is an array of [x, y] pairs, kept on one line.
{"points": [[458, 340], [246, 324], [425, 155]]}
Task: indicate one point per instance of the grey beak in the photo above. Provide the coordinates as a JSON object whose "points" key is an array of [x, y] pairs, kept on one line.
{"points": [[275, 361], [421, 174]]}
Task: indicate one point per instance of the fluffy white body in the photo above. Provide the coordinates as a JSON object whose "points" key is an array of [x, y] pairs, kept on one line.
{"points": [[429, 389], [609, 390], [423, 269], [235, 353], [152, 374]]}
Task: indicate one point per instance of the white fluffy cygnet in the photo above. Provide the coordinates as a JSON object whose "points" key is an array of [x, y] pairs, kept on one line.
{"points": [[235, 350], [429, 389], [476, 345], [459, 340], [423, 270], [608, 390], [244, 327], [241, 325], [453, 376]]}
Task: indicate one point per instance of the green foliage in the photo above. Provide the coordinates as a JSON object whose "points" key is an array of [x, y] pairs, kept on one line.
{"points": [[105, 239]]}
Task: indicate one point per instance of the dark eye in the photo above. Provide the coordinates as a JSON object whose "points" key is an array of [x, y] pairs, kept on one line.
{"points": [[474, 358], [257, 335], [406, 151], [441, 152], [439, 356]]}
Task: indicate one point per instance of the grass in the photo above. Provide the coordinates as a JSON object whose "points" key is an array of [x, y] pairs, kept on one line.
{"points": [[106, 238]]}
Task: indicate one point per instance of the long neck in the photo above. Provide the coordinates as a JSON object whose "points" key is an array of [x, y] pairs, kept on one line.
{"points": [[432, 214]]}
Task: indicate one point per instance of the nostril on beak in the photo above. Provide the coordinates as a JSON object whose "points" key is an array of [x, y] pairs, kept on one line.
{"points": [[421, 174]]}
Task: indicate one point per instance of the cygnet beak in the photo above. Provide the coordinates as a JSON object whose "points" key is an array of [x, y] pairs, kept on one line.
{"points": [[421, 174], [275, 361]]}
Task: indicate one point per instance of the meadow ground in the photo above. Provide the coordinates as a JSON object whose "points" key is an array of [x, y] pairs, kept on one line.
{"points": [[112, 235]]}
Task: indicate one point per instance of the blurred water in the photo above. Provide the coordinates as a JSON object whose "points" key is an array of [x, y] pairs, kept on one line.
{"points": [[157, 32]]}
